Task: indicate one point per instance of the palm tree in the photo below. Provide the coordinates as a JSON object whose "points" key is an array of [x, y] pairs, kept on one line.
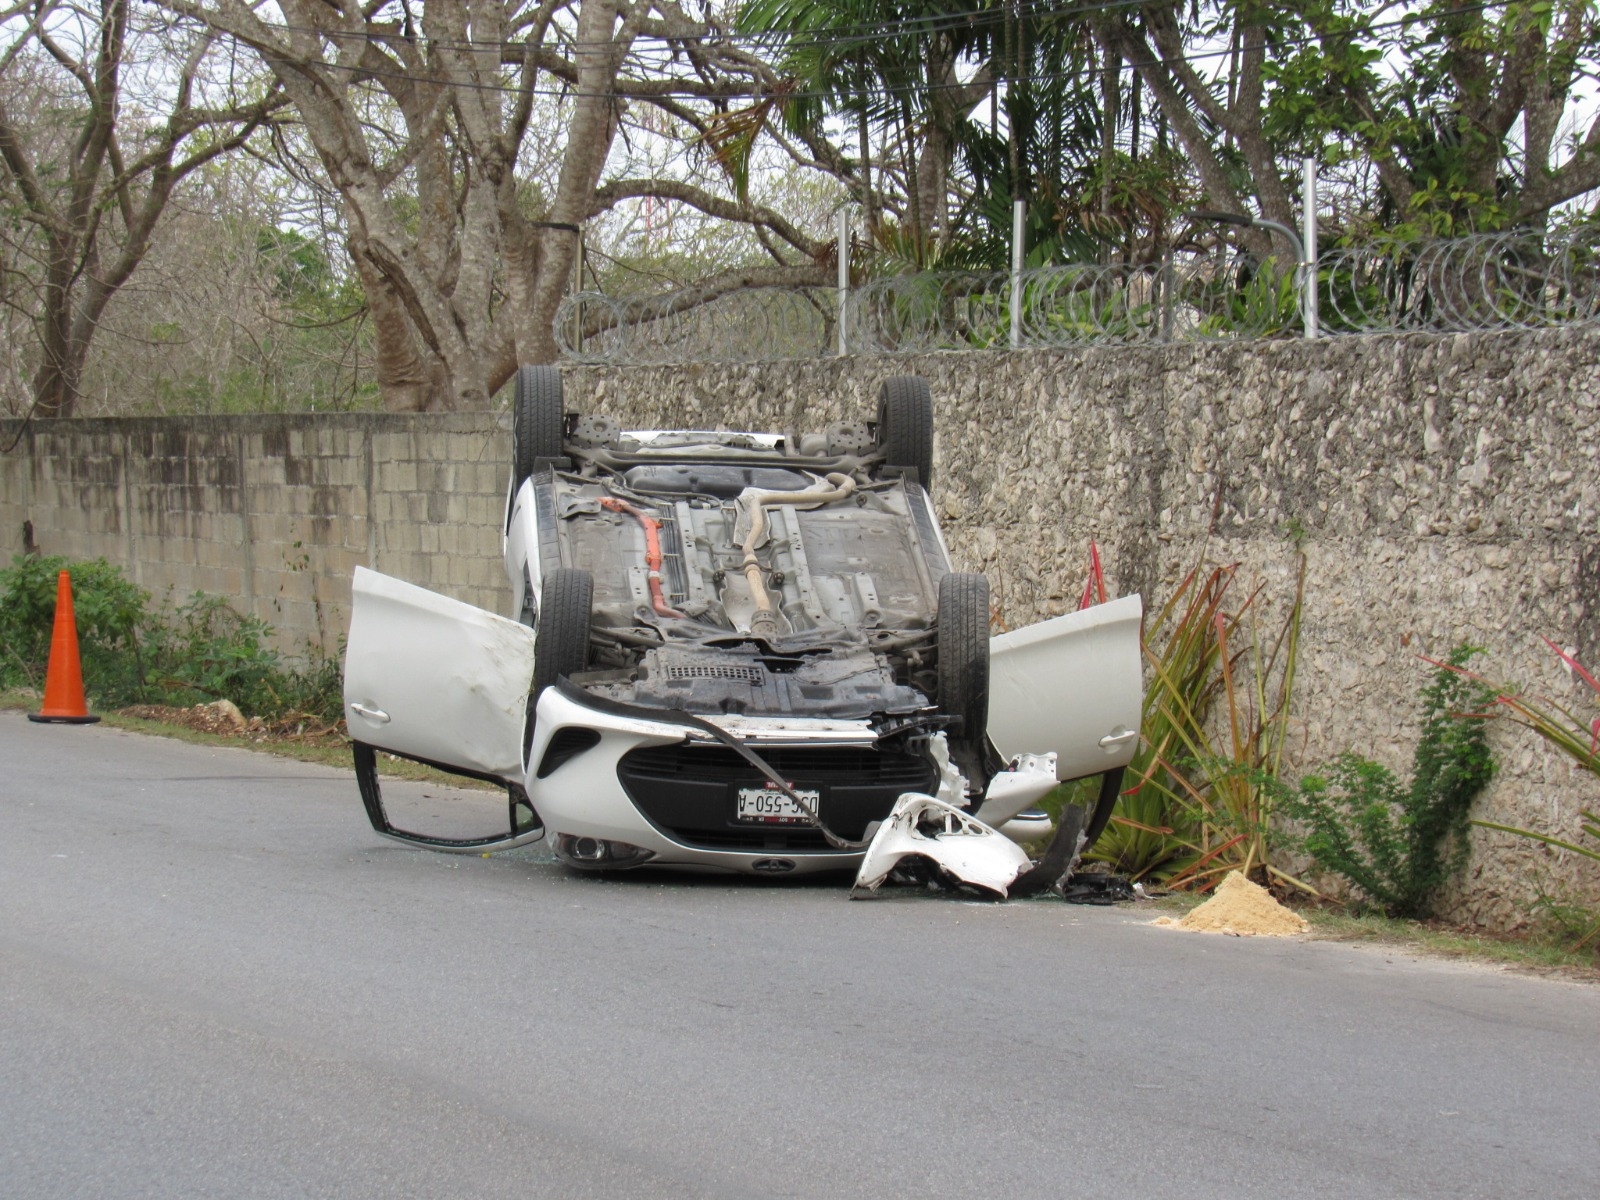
{"points": [[969, 103]]}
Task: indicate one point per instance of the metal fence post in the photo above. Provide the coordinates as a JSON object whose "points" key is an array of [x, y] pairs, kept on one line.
{"points": [[1308, 218], [577, 287], [842, 227], [1166, 295], [1019, 213]]}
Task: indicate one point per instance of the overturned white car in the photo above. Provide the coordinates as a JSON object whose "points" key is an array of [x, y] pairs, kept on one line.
{"points": [[733, 651]]}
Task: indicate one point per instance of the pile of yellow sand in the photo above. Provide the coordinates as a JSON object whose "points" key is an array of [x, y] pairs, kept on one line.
{"points": [[1243, 909]]}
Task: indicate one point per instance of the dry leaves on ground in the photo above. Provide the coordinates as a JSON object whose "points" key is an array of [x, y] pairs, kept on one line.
{"points": [[223, 718]]}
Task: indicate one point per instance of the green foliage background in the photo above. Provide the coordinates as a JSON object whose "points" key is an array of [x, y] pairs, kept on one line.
{"points": [[1400, 843], [134, 651]]}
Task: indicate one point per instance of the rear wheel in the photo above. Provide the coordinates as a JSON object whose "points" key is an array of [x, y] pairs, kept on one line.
{"points": [[963, 641], [537, 421], [561, 644], [905, 426]]}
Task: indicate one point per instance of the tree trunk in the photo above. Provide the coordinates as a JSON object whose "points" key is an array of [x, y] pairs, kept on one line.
{"points": [[405, 381]]}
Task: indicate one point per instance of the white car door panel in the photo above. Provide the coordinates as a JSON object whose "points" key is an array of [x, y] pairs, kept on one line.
{"points": [[433, 678], [1072, 685]]}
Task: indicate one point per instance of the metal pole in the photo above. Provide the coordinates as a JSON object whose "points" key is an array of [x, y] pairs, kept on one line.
{"points": [[842, 227], [1308, 218], [1019, 214], [577, 286], [1166, 295]]}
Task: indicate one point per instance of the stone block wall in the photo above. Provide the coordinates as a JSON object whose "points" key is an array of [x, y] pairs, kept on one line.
{"points": [[1442, 488], [274, 512]]}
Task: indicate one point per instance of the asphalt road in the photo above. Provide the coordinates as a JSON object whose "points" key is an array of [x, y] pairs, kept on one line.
{"points": [[217, 981]]}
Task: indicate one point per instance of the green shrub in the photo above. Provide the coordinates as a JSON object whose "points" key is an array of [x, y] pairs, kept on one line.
{"points": [[132, 653], [1400, 843], [209, 651], [111, 613]]}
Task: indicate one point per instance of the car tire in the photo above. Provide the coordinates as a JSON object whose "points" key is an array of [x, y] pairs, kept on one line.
{"points": [[537, 420], [566, 607], [561, 636], [905, 427], [963, 670]]}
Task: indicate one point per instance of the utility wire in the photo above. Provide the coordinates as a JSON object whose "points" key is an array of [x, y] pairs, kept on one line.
{"points": [[884, 91], [853, 33]]}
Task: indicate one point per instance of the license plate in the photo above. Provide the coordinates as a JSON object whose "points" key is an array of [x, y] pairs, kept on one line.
{"points": [[769, 806]]}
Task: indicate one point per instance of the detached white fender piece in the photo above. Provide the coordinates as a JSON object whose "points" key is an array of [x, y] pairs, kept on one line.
{"points": [[1012, 790], [966, 846], [959, 844]]}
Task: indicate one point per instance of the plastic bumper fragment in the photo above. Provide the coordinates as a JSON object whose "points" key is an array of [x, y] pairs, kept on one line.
{"points": [[923, 835], [1017, 787]]}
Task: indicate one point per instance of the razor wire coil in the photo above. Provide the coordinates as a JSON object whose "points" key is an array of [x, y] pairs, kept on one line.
{"points": [[1513, 280]]}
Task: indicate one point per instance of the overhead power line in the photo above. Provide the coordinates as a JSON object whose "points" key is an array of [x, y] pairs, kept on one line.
{"points": [[876, 91], [847, 33]]}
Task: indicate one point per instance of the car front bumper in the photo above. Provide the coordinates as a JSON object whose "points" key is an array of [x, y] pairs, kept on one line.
{"points": [[587, 755]]}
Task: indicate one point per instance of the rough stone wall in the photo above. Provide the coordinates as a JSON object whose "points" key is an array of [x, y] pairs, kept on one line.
{"points": [[1442, 489]]}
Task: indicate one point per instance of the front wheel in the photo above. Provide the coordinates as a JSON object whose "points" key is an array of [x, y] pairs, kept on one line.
{"points": [[963, 672], [561, 644], [561, 635]]}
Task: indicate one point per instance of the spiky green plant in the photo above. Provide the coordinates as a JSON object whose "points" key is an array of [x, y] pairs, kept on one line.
{"points": [[1216, 717], [1574, 735], [1400, 843]]}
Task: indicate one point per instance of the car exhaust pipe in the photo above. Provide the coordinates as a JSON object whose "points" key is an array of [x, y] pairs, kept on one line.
{"points": [[764, 622]]}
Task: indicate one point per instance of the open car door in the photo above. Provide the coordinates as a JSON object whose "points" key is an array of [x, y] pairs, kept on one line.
{"points": [[432, 679], [1071, 685]]}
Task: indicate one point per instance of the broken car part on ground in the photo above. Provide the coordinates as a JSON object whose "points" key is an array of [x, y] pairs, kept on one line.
{"points": [[744, 652]]}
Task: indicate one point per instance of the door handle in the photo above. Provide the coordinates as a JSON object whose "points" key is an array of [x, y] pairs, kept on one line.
{"points": [[382, 718], [1112, 740]]}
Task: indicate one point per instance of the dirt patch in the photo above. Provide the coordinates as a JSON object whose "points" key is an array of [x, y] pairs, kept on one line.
{"points": [[1243, 909], [224, 719]]}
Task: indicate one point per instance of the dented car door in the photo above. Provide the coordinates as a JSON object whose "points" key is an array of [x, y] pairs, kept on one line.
{"points": [[436, 680], [1071, 685]]}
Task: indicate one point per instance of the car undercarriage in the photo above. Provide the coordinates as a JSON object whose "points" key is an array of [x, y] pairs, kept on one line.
{"points": [[743, 652]]}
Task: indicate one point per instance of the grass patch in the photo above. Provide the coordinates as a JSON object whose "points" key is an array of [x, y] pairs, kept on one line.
{"points": [[1536, 952]]}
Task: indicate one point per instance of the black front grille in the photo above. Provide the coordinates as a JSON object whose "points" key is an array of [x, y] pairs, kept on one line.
{"points": [[689, 791]]}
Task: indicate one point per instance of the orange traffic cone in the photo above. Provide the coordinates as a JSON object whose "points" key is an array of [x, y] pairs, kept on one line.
{"points": [[63, 679]]}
